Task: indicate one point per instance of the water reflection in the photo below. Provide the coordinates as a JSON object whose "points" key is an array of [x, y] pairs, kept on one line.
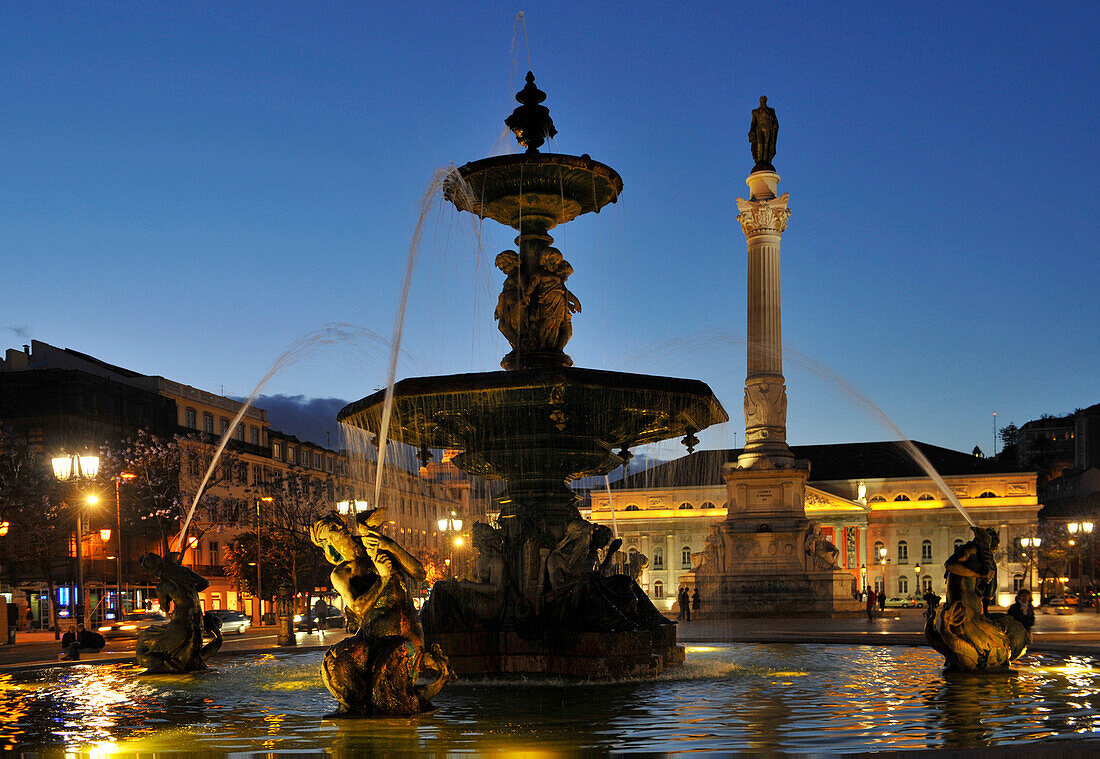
{"points": [[732, 697]]}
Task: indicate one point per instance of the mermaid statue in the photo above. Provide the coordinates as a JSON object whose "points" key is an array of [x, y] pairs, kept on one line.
{"points": [[375, 671], [177, 645], [970, 639]]}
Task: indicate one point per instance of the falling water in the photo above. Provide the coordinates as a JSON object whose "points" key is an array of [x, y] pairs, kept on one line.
{"points": [[611, 505], [450, 178], [684, 347], [325, 335]]}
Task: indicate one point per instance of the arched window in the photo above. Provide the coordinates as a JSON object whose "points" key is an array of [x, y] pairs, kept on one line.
{"points": [[658, 557], [903, 552], [631, 507], [901, 497], [707, 505], [926, 497], [988, 494], [658, 589], [685, 557], [957, 545], [876, 556], [726, 505], [903, 585], [926, 550], [877, 499], [685, 505], [632, 554]]}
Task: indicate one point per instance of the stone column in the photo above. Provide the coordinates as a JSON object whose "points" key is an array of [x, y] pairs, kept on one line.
{"points": [[763, 219]]}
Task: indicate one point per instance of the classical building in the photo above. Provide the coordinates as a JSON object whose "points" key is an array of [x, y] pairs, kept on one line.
{"points": [[864, 496], [64, 400]]}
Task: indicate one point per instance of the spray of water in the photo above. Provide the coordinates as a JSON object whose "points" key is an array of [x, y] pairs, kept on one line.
{"points": [[611, 505], [450, 178], [303, 346], [681, 348]]}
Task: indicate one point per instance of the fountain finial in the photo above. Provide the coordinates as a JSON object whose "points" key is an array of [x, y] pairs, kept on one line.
{"points": [[531, 122]]}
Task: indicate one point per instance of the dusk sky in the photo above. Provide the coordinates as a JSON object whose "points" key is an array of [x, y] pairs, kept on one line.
{"points": [[189, 188]]}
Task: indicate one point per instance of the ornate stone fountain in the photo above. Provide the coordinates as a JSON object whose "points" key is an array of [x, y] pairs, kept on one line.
{"points": [[543, 598]]}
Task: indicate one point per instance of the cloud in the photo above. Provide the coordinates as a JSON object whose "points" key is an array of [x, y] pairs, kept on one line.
{"points": [[310, 419], [22, 331]]}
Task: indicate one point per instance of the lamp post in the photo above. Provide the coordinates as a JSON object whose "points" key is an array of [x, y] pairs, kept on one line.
{"points": [[1084, 529], [259, 570], [882, 561], [863, 576], [122, 477], [76, 468], [916, 571], [1028, 543], [450, 525]]}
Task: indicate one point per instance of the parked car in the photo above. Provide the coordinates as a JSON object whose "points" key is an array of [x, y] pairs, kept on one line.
{"points": [[900, 602], [1057, 606], [131, 624], [233, 621]]}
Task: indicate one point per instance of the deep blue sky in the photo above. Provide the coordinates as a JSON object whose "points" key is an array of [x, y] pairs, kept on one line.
{"points": [[187, 188]]}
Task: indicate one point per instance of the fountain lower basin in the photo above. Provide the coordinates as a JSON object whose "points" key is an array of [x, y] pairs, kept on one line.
{"points": [[727, 697]]}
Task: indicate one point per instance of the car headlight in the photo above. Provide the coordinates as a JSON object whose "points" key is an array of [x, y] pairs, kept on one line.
{"points": [[104, 629], [127, 627], [297, 617]]}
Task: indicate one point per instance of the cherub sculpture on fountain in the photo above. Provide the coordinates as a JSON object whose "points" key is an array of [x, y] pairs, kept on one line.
{"points": [[970, 639], [177, 646], [375, 671]]}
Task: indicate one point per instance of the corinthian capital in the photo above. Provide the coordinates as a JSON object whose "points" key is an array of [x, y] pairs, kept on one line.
{"points": [[763, 216]]}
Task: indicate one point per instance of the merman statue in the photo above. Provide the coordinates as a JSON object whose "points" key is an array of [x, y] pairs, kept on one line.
{"points": [[375, 671], [970, 639], [177, 646]]}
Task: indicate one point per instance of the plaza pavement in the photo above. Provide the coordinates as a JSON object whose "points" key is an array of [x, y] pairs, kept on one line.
{"points": [[1077, 633]]}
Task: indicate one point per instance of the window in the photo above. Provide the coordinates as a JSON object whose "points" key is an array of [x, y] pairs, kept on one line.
{"points": [[316, 460], [685, 505], [225, 425], [328, 463], [214, 552], [901, 497], [926, 583], [658, 558], [192, 419], [208, 423], [876, 555], [257, 475], [255, 431], [878, 585], [631, 507], [903, 552], [290, 453], [707, 505], [685, 557], [926, 497], [632, 553], [658, 589], [903, 585], [958, 544], [926, 550], [1017, 583], [988, 494], [239, 432], [277, 451], [878, 499]]}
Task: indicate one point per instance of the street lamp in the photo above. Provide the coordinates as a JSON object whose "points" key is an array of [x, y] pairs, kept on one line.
{"points": [[1029, 543], [76, 468], [882, 561], [450, 525], [4, 528], [916, 570], [1085, 529], [863, 576]]}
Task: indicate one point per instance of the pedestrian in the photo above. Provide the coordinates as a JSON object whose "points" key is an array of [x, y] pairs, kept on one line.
{"points": [[695, 600], [30, 618], [870, 604], [1021, 609], [681, 602], [881, 601]]}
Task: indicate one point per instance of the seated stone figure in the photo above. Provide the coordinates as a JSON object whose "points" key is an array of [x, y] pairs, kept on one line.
{"points": [[177, 645], [475, 604], [375, 671], [580, 595], [970, 640]]}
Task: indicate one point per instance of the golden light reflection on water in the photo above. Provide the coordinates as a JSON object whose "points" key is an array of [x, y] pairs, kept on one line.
{"points": [[730, 697]]}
